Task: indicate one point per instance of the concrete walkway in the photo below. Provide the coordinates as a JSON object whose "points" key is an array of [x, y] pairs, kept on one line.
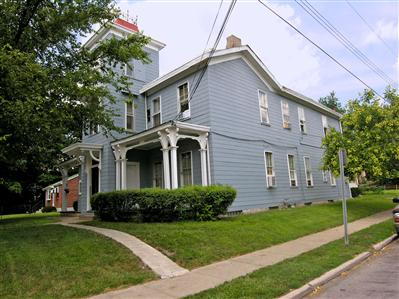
{"points": [[210, 276], [155, 260]]}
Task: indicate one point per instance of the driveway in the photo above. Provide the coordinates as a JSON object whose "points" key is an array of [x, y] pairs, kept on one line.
{"points": [[376, 278]]}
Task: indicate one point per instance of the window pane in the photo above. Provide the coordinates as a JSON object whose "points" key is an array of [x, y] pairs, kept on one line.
{"points": [[265, 116], [129, 122], [157, 106], [129, 70], [186, 169], [156, 119], [183, 97], [129, 108]]}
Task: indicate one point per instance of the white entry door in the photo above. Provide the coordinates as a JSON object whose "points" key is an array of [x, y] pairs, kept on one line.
{"points": [[133, 175]]}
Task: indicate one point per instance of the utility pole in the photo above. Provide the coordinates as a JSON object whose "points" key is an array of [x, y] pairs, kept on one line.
{"points": [[342, 162]]}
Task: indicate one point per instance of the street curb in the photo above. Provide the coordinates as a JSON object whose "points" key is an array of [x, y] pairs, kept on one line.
{"points": [[384, 243], [326, 277]]}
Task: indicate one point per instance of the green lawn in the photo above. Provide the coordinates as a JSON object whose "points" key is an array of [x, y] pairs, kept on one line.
{"points": [[281, 278], [193, 244], [51, 261]]}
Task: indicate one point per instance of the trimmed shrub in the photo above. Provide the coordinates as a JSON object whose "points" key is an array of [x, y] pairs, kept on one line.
{"points": [[75, 205], [161, 205], [355, 192], [49, 209]]}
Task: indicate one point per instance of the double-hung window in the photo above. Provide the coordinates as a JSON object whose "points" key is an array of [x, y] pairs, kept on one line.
{"points": [[128, 70], [263, 107], [292, 170], [285, 110], [184, 105], [324, 174], [157, 175], [186, 175], [325, 124], [156, 111], [129, 116], [332, 179], [270, 174], [308, 172], [302, 120]]}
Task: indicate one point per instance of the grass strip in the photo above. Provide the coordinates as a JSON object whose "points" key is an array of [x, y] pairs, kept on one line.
{"points": [[281, 278], [194, 244]]}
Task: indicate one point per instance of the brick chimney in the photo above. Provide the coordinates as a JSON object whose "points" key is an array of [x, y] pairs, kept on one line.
{"points": [[232, 42], [127, 25]]}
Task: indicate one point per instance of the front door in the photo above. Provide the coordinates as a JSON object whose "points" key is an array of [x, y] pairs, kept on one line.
{"points": [[133, 175]]}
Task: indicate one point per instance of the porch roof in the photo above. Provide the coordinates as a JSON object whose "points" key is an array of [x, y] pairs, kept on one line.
{"points": [[149, 139], [77, 148]]}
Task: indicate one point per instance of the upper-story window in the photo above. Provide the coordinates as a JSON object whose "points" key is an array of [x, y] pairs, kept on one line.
{"points": [[129, 116], [285, 110], [184, 105], [308, 172], [325, 124], [292, 170], [128, 70], [263, 107], [270, 174], [156, 112], [302, 120]]}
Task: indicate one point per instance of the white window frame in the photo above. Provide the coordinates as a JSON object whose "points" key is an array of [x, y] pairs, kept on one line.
{"points": [[187, 113], [286, 124], [273, 170], [181, 168], [310, 172], [263, 108], [333, 179], [153, 174], [126, 68], [324, 122], [324, 175], [132, 115], [153, 110], [302, 118], [289, 171]]}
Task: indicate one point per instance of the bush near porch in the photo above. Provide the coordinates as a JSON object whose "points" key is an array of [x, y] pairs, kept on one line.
{"points": [[161, 205]]}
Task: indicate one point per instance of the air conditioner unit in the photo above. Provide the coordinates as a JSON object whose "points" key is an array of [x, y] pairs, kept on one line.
{"points": [[271, 181], [286, 125]]}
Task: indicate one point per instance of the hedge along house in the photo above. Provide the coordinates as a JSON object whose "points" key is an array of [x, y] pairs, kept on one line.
{"points": [[241, 128]]}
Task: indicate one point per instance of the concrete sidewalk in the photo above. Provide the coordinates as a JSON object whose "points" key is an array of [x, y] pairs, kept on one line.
{"points": [[155, 260], [210, 276]]}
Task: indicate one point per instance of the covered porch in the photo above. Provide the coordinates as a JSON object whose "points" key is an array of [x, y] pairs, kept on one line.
{"points": [[168, 156]]}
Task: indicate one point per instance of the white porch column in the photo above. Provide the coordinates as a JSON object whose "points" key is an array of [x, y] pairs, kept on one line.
{"points": [[123, 165], [163, 138], [203, 141], [173, 137], [64, 173]]}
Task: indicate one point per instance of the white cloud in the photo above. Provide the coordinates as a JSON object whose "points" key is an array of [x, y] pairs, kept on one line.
{"points": [[184, 26], [387, 30]]}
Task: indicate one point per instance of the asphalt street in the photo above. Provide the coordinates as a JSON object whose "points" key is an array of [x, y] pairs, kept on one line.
{"points": [[376, 278]]}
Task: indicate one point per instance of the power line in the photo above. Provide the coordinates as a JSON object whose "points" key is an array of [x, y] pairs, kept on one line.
{"points": [[371, 28], [210, 55], [317, 46], [316, 15]]}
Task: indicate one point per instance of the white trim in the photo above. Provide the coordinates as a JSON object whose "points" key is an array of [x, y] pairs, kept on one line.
{"points": [[181, 168], [145, 111], [253, 61], [266, 107], [305, 129], [273, 169], [289, 171], [288, 125], [153, 109], [133, 118], [78, 146], [306, 172], [188, 99], [324, 124]]}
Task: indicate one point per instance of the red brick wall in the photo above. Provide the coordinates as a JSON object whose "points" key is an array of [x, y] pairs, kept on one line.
{"points": [[73, 194]]}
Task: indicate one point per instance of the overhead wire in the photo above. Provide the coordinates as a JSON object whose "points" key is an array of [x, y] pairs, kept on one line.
{"points": [[319, 18], [319, 47], [210, 55]]}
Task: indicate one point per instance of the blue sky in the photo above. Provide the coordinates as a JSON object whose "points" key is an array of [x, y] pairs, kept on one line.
{"points": [[184, 27]]}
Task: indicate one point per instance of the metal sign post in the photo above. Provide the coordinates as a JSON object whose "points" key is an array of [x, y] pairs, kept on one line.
{"points": [[342, 161]]}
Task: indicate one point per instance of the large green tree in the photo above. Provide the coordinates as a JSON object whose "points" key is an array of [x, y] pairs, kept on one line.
{"points": [[52, 88], [332, 102], [370, 136]]}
